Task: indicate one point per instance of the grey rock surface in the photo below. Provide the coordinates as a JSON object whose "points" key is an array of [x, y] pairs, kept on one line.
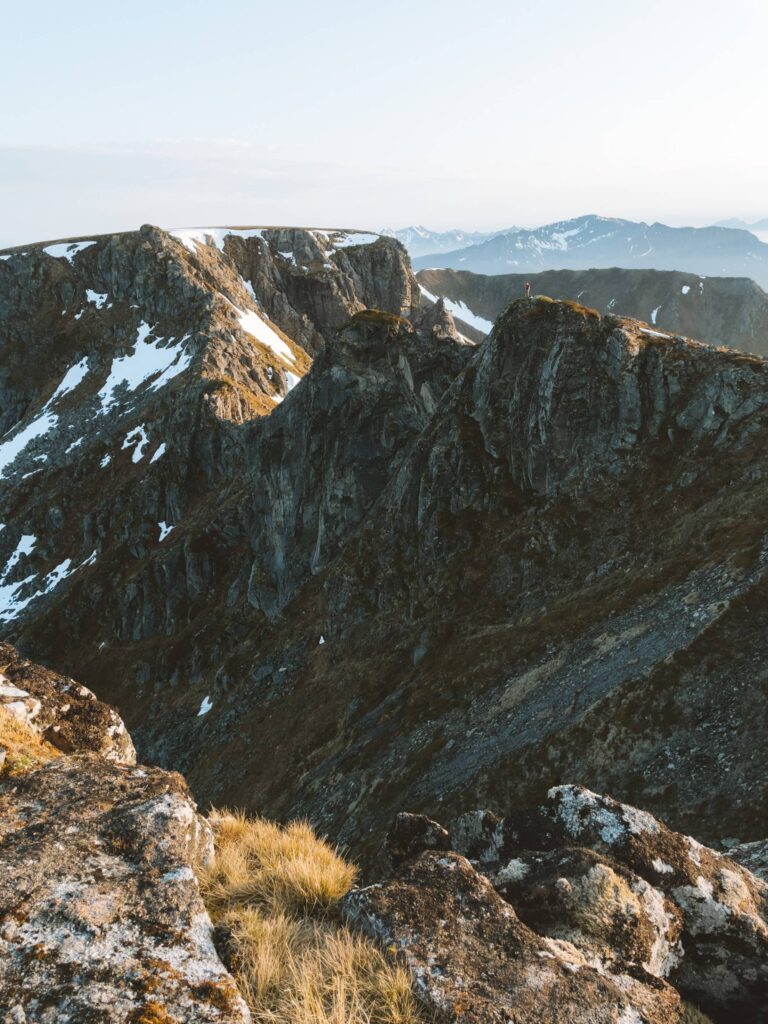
{"points": [[474, 962], [101, 919]]}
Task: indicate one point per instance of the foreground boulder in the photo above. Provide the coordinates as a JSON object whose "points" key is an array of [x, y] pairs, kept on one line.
{"points": [[65, 713], [101, 919], [595, 905], [475, 962]]}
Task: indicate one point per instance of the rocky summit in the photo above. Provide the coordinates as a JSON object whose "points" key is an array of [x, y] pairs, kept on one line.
{"points": [[331, 555]]}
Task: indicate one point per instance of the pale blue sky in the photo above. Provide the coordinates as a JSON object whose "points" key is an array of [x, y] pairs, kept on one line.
{"points": [[476, 114]]}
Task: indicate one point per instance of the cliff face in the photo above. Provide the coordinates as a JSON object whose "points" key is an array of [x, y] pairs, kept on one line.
{"points": [[729, 311], [562, 580], [433, 575]]}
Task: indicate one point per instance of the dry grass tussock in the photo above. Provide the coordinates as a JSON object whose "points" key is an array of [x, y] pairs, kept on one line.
{"points": [[274, 891], [24, 748]]}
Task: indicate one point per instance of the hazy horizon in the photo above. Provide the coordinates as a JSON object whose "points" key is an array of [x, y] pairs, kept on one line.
{"points": [[431, 114]]}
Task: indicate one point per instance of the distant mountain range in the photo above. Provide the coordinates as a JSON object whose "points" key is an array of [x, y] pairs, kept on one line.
{"points": [[593, 242], [419, 240]]}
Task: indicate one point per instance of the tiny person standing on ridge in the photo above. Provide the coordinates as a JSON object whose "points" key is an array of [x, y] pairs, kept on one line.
{"points": [[527, 289]]}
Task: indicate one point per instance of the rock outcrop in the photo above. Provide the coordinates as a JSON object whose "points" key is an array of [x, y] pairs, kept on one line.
{"points": [[475, 962], [595, 905], [100, 914], [65, 713], [101, 918]]}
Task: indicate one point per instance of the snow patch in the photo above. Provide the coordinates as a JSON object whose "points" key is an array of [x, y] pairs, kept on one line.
{"points": [[461, 310], [139, 440], [69, 381], [105, 461], [96, 298], [66, 250], [654, 314], [205, 707], [45, 421], [11, 604], [253, 324], [147, 360], [158, 454], [192, 237], [25, 546], [685, 289], [165, 529], [39, 427], [344, 239]]}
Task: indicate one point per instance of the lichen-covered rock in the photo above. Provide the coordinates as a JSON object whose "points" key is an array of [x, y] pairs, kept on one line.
{"points": [[411, 835], [475, 962], [719, 909], [101, 919], [608, 912], [724, 907], [62, 711]]}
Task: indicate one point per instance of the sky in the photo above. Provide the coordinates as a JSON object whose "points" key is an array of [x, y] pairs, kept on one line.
{"points": [[347, 114]]}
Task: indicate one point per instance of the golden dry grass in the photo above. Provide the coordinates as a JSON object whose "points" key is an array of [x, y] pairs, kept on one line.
{"points": [[25, 749], [259, 863], [274, 891]]}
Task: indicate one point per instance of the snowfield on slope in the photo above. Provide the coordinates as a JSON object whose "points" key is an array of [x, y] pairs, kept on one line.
{"points": [[462, 311]]}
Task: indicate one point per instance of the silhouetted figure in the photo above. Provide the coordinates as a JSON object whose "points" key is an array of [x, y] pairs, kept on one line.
{"points": [[527, 289]]}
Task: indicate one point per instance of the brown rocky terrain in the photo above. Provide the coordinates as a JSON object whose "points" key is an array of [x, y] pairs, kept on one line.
{"points": [[729, 311], [580, 909], [431, 577]]}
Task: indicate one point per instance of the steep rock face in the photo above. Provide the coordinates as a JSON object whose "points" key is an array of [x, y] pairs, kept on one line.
{"points": [[569, 583], [306, 476], [729, 311], [162, 354], [310, 282], [586, 885]]}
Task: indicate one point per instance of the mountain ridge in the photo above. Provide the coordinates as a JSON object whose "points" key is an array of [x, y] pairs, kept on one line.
{"points": [[721, 311]]}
